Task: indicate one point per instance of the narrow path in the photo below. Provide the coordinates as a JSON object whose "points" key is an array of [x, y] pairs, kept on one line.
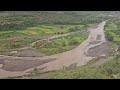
{"points": [[53, 37]]}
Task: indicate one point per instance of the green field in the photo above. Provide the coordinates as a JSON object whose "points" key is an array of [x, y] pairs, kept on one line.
{"points": [[112, 31], [51, 29], [42, 30], [61, 44], [13, 39], [7, 45]]}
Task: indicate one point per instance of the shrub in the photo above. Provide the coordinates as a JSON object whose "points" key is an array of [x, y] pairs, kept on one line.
{"points": [[109, 36]]}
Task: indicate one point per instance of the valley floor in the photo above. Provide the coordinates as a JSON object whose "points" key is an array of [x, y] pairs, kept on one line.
{"points": [[11, 66]]}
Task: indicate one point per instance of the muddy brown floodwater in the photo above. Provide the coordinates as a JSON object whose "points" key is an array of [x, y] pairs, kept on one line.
{"points": [[101, 49], [21, 65], [15, 66]]}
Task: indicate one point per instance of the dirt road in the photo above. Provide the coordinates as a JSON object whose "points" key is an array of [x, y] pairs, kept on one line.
{"points": [[77, 55]]}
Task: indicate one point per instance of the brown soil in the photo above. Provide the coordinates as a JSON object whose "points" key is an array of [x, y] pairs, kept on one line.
{"points": [[98, 37], [100, 49], [73, 65], [28, 53], [94, 42], [24, 52], [21, 65]]}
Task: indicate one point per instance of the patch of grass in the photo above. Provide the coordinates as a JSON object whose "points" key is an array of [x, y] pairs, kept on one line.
{"points": [[42, 30], [13, 44], [12, 39], [10, 34], [62, 44], [50, 29], [112, 31]]}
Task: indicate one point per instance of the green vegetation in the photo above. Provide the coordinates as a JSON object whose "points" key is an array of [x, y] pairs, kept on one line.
{"points": [[13, 39], [42, 30], [61, 44], [23, 19], [13, 44], [10, 34], [17, 27], [52, 29], [112, 31]]}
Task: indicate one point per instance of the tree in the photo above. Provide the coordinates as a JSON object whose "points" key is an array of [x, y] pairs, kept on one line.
{"points": [[109, 36]]}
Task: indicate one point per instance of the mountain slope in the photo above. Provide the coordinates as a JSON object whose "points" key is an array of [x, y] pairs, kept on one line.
{"points": [[24, 19]]}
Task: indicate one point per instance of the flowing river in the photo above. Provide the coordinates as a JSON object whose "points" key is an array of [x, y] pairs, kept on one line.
{"points": [[75, 56]]}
